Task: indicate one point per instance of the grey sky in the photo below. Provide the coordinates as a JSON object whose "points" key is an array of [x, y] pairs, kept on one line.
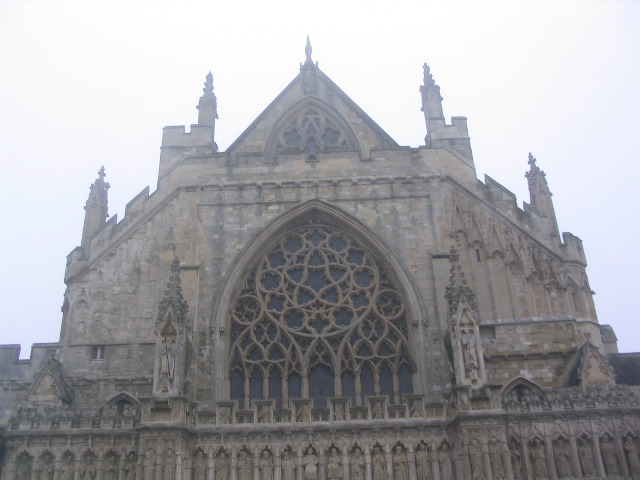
{"points": [[85, 84]]}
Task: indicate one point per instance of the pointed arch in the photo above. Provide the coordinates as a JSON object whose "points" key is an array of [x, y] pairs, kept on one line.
{"points": [[344, 242], [522, 382], [310, 123]]}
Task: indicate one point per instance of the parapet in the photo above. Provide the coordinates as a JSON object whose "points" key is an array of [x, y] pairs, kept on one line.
{"points": [[177, 143]]}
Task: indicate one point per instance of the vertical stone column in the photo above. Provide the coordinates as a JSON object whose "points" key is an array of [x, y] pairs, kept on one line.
{"points": [[345, 463], [76, 469], [367, 464], [299, 472], [122, 463], [159, 464], [526, 461], [486, 461], [389, 461], [598, 454], [56, 467], [577, 469], [277, 464], [256, 463], [411, 463], [180, 466], [506, 458], [322, 465], [551, 464], [435, 461], [99, 465], [211, 465], [622, 457], [233, 473], [35, 466]]}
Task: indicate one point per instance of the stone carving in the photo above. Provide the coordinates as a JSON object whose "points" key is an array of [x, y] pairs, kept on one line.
{"points": [[399, 461], [562, 457], [423, 465], [631, 452], [310, 465], [539, 459], [130, 466], [334, 465], [515, 454], [148, 465], [495, 459], [47, 466], [198, 469], [111, 467], [88, 469], [609, 456], [585, 453], [357, 465], [169, 466], [67, 467], [222, 466], [378, 464], [266, 465], [288, 466], [24, 466], [475, 460], [444, 461], [245, 467], [338, 412]]}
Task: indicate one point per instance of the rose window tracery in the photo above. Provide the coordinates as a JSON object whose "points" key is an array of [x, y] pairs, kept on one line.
{"points": [[319, 317], [310, 133]]}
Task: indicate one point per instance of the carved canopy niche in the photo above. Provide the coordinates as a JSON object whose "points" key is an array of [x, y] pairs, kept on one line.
{"points": [[318, 317]]}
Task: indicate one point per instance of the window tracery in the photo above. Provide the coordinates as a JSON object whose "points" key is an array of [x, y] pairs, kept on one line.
{"points": [[318, 317], [311, 132]]}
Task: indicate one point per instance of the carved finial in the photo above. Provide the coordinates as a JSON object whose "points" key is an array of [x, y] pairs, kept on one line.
{"points": [[307, 51], [173, 298], [208, 104], [431, 102]]}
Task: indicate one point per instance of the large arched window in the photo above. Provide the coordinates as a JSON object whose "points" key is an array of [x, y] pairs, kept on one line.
{"points": [[318, 317]]}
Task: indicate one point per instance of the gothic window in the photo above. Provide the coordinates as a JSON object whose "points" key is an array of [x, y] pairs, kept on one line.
{"points": [[311, 132], [318, 317]]}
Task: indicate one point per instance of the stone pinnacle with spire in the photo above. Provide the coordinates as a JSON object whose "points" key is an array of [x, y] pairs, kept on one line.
{"points": [[308, 70], [307, 51], [208, 104]]}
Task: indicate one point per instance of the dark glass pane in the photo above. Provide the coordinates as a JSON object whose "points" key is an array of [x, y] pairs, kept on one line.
{"points": [[406, 384], [348, 385], [366, 381], [295, 386], [292, 138], [331, 136], [255, 384], [386, 382], [275, 387], [320, 385], [237, 388]]}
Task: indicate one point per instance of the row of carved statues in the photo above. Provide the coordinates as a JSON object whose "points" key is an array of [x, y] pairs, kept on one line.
{"points": [[543, 458]]}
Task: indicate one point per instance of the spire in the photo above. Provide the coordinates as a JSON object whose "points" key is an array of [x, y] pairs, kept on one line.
{"points": [[431, 98], [308, 70], [540, 195], [307, 51], [458, 288], [208, 104], [173, 298], [96, 208]]}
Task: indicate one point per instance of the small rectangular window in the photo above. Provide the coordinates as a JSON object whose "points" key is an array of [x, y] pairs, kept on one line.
{"points": [[576, 304], [97, 352], [478, 255]]}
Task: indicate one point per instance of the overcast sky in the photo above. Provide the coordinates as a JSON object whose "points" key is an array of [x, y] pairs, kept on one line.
{"points": [[88, 83]]}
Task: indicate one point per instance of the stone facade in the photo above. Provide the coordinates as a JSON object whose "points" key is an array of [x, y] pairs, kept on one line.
{"points": [[320, 303]]}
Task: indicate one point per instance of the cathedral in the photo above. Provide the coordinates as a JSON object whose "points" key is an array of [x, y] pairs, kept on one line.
{"points": [[318, 302]]}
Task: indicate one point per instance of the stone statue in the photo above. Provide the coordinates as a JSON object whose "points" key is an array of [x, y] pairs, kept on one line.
{"points": [[631, 451], [338, 412], [495, 459], [562, 458], [475, 460], [148, 465], [222, 467], [357, 465], [585, 452], [609, 457], [444, 460], [266, 465], [423, 467], [245, 469], [399, 460], [539, 459], [310, 465], [288, 466], [198, 470], [378, 465], [67, 467], [334, 465], [167, 362], [169, 467], [130, 467], [111, 468], [47, 467], [515, 454], [88, 469], [470, 354], [23, 468], [377, 412]]}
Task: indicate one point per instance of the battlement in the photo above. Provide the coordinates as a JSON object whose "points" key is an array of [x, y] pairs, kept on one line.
{"points": [[177, 144]]}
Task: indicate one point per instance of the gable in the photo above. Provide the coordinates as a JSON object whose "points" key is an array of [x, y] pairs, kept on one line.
{"points": [[311, 117]]}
